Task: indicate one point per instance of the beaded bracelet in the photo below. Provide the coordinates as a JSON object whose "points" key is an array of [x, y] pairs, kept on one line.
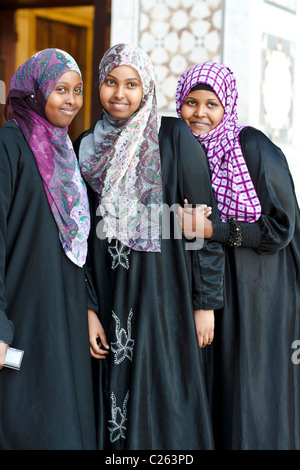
{"points": [[235, 238]]}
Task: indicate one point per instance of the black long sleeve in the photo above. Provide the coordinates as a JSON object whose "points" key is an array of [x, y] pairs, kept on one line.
{"points": [[6, 194]]}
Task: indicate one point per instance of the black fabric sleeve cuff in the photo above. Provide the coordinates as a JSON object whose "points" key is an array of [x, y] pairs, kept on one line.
{"points": [[251, 233], [6, 329], [91, 297], [221, 232]]}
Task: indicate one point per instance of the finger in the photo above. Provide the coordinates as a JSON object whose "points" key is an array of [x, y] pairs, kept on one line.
{"points": [[205, 341], [100, 354], [188, 210], [103, 339], [95, 347], [179, 214], [202, 207]]}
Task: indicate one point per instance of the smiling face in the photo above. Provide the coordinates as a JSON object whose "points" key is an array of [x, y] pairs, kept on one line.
{"points": [[202, 111], [65, 100], [121, 92]]}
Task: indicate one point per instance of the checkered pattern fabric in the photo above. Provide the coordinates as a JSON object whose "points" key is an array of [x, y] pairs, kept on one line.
{"points": [[231, 181]]}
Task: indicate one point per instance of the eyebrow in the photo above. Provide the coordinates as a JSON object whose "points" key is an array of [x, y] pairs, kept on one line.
{"points": [[127, 79], [207, 99], [67, 83]]}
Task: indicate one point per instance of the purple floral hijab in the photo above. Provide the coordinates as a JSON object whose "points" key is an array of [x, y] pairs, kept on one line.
{"points": [[30, 88], [231, 181], [121, 161]]}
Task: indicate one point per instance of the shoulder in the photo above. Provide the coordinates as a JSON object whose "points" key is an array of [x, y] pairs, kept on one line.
{"points": [[260, 151], [78, 140], [87, 132], [172, 125], [177, 141], [176, 132], [253, 139], [12, 141], [10, 132]]}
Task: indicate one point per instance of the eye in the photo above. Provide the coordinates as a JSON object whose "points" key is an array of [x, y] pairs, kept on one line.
{"points": [[61, 89], [109, 81], [132, 85], [78, 91], [190, 102]]}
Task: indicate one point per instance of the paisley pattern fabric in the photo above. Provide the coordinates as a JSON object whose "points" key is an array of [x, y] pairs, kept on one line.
{"points": [[51, 146], [231, 181], [122, 163]]}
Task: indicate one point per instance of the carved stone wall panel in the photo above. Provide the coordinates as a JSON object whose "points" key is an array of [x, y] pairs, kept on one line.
{"points": [[178, 34]]}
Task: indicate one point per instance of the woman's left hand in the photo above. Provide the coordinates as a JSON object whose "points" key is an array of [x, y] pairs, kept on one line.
{"points": [[205, 324], [3, 351]]}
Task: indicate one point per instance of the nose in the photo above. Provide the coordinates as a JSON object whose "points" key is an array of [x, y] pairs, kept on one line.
{"points": [[200, 110], [70, 98], [119, 92]]}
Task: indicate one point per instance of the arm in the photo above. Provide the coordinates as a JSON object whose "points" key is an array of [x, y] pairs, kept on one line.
{"points": [[195, 222], [207, 260], [205, 324], [91, 296], [3, 351], [92, 301], [6, 193], [275, 189], [97, 337], [98, 343]]}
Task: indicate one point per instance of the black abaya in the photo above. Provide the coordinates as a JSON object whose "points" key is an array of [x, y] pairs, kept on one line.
{"points": [[154, 390], [48, 404], [256, 391]]}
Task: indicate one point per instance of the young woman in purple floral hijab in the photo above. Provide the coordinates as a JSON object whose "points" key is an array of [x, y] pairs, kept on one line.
{"points": [[44, 225], [254, 372], [50, 144]]}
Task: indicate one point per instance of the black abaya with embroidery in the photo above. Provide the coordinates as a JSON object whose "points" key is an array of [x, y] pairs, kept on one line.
{"points": [[48, 403], [256, 347], [153, 380]]}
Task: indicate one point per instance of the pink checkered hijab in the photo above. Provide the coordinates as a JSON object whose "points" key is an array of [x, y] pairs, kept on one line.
{"points": [[234, 190]]}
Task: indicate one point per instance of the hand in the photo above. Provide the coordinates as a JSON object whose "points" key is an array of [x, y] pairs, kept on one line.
{"points": [[205, 325], [99, 350], [3, 351], [195, 222]]}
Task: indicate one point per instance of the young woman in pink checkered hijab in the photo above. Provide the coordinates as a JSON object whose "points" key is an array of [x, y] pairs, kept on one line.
{"points": [[256, 375]]}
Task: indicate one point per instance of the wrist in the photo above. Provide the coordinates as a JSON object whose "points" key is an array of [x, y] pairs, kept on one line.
{"points": [[209, 229], [235, 237]]}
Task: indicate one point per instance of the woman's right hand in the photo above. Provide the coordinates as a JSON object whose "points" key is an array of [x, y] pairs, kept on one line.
{"points": [[194, 222], [3, 351], [98, 342]]}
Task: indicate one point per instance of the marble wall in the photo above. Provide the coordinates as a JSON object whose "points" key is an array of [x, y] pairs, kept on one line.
{"points": [[177, 34]]}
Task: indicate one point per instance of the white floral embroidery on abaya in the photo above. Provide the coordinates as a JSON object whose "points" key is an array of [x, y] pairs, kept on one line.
{"points": [[118, 421], [123, 347], [119, 254]]}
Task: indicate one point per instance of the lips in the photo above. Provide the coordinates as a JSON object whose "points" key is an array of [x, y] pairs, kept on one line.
{"points": [[68, 111], [119, 105], [199, 123]]}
